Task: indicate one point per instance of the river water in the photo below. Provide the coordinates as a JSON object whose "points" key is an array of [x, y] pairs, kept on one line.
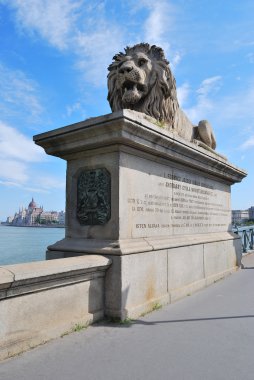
{"points": [[24, 244]]}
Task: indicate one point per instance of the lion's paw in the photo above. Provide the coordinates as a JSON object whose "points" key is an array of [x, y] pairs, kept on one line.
{"points": [[206, 134]]}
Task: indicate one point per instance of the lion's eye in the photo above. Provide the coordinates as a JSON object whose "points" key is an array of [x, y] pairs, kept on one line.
{"points": [[141, 62]]}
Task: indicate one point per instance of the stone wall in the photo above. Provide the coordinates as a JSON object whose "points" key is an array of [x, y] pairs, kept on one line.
{"points": [[137, 282], [43, 300]]}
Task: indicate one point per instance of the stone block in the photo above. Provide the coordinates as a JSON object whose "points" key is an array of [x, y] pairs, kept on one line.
{"points": [[185, 266], [47, 299], [216, 258], [135, 283]]}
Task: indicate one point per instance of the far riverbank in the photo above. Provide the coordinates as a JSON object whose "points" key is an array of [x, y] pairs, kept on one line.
{"points": [[34, 226]]}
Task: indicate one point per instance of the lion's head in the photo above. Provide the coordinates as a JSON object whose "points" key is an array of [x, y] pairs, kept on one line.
{"points": [[140, 79]]}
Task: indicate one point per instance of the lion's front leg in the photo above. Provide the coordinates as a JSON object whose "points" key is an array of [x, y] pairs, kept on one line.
{"points": [[205, 134]]}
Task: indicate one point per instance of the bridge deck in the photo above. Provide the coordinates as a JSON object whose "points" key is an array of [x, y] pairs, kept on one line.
{"points": [[209, 335]]}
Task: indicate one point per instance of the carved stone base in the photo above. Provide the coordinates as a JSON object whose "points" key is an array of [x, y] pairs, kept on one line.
{"points": [[157, 205]]}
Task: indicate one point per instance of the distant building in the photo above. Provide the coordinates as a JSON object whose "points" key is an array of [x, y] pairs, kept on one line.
{"points": [[9, 219], [48, 217], [242, 216], [34, 216], [251, 212], [61, 217]]}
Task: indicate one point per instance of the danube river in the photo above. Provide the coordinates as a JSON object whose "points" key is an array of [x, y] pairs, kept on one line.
{"points": [[24, 244]]}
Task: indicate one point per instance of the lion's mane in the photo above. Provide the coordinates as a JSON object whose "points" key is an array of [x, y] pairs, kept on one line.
{"points": [[161, 101], [140, 79]]}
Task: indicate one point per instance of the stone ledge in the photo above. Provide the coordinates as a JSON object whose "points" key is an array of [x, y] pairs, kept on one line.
{"points": [[36, 276], [6, 278], [43, 300], [133, 130], [74, 246]]}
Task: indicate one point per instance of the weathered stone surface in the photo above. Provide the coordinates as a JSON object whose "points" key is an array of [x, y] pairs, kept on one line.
{"points": [[6, 279], [140, 79], [185, 266], [193, 267], [75, 246], [170, 209], [218, 257], [126, 145], [47, 299], [135, 283], [159, 200], [133, 129]]}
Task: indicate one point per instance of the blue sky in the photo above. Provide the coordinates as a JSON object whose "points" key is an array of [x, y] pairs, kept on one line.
{"points": [[53, 66]]}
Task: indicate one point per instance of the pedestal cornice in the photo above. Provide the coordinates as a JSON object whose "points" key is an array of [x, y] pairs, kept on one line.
{"points": [[130, 129]]}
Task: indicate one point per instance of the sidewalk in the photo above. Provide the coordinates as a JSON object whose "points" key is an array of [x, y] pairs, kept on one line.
{"points": [[207, 336]]}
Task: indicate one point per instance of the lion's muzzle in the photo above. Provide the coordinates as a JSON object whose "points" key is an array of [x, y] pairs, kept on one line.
{"points": [[131, 83]]}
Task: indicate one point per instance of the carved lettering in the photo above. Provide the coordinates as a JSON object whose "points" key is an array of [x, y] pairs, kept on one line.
{"points": [[180, 203]]}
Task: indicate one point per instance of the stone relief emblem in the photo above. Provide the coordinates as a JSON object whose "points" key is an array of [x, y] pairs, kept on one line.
{"points": [[94, 197], [141, 79]]}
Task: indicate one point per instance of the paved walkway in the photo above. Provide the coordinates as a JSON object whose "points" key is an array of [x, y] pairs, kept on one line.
{"points": [[209, 335]]}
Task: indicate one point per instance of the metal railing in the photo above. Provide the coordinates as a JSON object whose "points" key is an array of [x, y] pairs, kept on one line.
{"points": [[247, 236]]}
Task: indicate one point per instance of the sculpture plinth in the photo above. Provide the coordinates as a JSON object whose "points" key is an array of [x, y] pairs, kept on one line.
{"points": [[156, 204]]}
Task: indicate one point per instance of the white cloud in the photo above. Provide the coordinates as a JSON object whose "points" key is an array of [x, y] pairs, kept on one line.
{"points": [[17, 152], [250, 57], [95, 51], [61, 23], [12, 170], [176, 59], [208, 85], [16, 146], [49, 182], [159, 26], [238, 108], [52, 20], [205, 102], [249, 143], [73, 108], [20, 175], [157, 22], [183, 93], [23, 187], [243, 42], [9, 184], [18, 95], [233, 112], [94, 42]]}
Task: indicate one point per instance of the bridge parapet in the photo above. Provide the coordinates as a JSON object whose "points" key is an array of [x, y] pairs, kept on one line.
{"points": [[43, 300]]}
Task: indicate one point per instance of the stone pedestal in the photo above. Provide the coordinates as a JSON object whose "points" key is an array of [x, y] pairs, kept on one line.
{"points": [[157, 205]]}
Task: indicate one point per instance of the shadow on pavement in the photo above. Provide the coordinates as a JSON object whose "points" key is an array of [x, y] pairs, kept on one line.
{"points": [[128, 323], [192, 319]]}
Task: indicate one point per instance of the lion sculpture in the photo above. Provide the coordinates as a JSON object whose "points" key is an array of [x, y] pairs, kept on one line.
{"points": [[140, 79]]}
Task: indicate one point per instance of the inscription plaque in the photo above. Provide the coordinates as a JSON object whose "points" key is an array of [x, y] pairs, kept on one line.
{"points": [[165, 201], [94, 197]]}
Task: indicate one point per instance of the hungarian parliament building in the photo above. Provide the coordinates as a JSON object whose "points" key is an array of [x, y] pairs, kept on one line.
{"points": [[36, 216]]}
